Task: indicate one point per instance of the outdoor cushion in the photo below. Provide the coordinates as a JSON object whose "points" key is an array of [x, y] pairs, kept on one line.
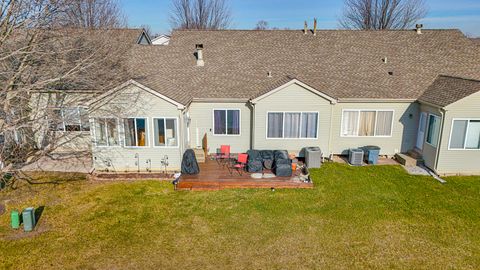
{"points": [[266, 154], [282, 169], [255, 166], [280, 154], [254, 155]]}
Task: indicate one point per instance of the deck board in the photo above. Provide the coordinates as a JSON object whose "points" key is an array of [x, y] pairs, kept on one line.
{"points": [[213, 176]]}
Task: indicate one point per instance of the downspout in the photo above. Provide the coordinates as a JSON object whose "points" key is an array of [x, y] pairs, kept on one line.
{"points": [[182, 131], [330, 154], [252, 127], [440, 138]]}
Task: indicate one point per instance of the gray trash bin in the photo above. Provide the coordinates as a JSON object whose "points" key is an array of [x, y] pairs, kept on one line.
{"points": [[313, 157]]}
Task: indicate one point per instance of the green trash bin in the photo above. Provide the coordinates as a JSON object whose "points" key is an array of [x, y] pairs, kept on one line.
{"points": [[15, 219], [28, 216]]}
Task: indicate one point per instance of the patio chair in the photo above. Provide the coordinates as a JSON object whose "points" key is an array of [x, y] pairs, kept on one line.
{"points": [[223, 157], [240, 164]]}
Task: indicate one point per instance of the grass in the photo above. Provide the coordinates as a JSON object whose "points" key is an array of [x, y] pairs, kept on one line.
{"points": [[367, 217]]}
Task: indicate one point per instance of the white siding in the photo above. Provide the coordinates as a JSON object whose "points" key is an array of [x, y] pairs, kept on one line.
{"points": [[405, 119], [293, 98], [459, 161], [201, 115], [135, 102]]}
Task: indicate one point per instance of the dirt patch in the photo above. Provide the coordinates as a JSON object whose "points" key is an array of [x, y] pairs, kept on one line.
{"points": [[21, 234]]}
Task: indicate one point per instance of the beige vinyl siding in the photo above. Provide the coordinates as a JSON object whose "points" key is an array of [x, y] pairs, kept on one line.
{"points": [[293, 98], [459, 161], [135, 102], [201, 123], [405, 119], [68, 141], [429, 152]]}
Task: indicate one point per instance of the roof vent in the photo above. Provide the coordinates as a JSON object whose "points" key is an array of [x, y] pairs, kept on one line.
{"points": [[419, 28], [385, 60], [305, 28], [269, 74], [315, 26], [199, 53]]}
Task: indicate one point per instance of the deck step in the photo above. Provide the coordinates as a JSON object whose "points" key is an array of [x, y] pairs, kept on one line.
{"points": [[407, 160], [199, 155]]}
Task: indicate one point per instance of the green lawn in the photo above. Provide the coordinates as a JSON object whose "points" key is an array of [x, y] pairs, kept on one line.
{"points": [[367, 217]]}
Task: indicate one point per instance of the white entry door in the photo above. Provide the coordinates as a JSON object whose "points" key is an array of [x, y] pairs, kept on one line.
{"points": [[422, 125]]}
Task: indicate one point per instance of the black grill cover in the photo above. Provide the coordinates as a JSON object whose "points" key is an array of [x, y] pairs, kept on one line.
{"points": [[189, 163]]}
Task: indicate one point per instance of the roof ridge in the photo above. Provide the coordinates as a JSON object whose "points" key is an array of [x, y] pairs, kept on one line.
{"points": [[318, 30]]}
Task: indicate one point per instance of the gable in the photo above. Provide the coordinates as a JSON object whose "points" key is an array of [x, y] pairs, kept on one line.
{"points": [[143, 39], [471, 102], [113, 95], [291, 89]]}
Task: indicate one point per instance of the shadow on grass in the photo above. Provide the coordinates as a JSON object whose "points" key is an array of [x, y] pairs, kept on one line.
{"points": [[38, 213]]}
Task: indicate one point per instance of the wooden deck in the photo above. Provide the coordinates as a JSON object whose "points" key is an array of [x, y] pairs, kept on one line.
{"points": [[215, 177]]}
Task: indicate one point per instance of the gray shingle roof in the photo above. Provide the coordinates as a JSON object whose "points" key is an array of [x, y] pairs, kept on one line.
{"points": [[446, 90], [343, 64]]}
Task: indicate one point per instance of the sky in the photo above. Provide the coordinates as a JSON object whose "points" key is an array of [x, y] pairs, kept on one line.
{"points": [[461, 14]]}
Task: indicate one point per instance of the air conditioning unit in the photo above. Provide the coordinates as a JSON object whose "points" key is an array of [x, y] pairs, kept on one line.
{"points": [[355, 157]]}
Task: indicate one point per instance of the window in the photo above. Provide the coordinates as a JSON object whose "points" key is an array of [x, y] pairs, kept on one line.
{"points": [[165, 132], [465, 134], [106, 132], [367, 123], [226, 122], [69, 119], [433, 130], [135, 132], [292, 125]]}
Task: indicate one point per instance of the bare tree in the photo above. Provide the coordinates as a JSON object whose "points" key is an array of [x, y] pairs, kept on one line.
{"points": [[382, 14], [261, 25], [92, 14], [39, 65], [200, 14]]}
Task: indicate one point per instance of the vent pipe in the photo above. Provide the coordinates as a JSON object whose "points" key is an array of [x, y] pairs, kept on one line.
{"points": [[315, 26], [199, 51], [419, 28], [305, 28]]}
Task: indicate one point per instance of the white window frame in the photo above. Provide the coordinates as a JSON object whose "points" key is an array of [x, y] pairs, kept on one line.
{"points": [[283, 125], [93, 129], [226, 121], [428, 129], [61, 109], [374, 129], [147, 132], [466, 132], [165, 123]]}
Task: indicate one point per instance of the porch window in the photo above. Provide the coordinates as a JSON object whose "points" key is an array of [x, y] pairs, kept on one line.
{"points": [[69, 119], [226, 122], [106, 131], [165, 131], [465, 134], [367, 123], [292, 125], [433, 131], [135, 132]]}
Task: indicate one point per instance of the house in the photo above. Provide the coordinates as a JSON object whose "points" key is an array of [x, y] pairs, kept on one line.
{"points": [[403, 90], [161, 40]]}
